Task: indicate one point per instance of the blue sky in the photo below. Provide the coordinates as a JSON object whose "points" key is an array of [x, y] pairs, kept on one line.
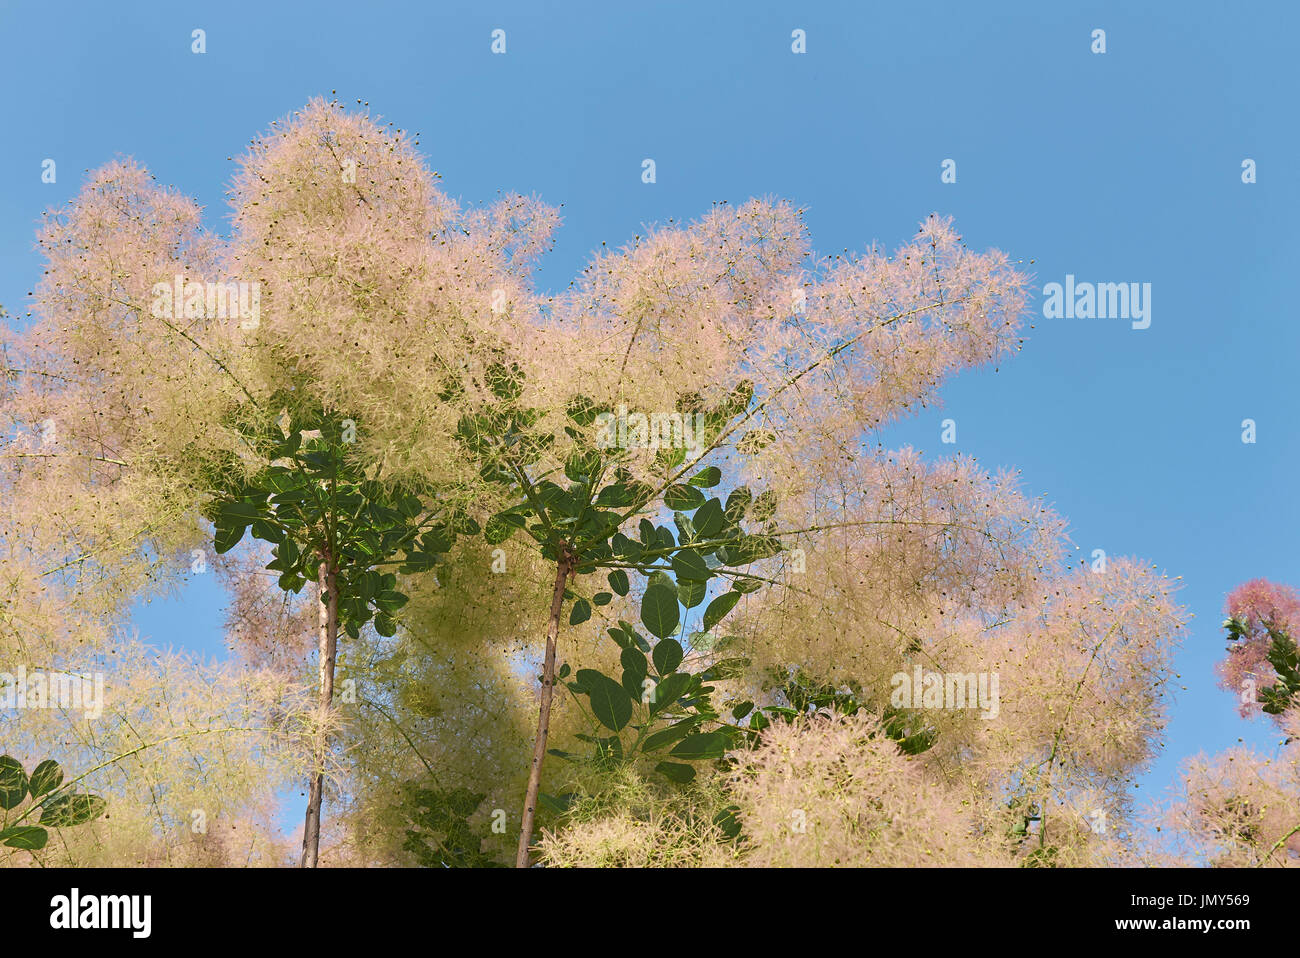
{"points": [[1115, 167]]}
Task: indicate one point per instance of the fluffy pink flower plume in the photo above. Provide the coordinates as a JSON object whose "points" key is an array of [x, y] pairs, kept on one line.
{"points": [[1255, 604]]}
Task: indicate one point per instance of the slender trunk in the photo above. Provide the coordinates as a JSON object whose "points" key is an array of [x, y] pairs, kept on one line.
{"points": [[543, 714], [328, 641]]}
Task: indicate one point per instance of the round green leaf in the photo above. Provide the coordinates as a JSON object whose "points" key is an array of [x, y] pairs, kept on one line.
{"points": [[691, 592], [45, 777], [659, 610], [719, 608], [676, 772], [667, 656], [689, 564], [666, 693], [633, 660], [28, 837], [13, 782], [581, 612], [707, 478], [708, 519], [618, 581], [64, 811], [609, 701], [682, 498], [703, 746]]}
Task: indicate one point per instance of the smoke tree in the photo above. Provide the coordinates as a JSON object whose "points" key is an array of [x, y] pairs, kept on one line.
{"points": [[1242, 807], [551, 444]]}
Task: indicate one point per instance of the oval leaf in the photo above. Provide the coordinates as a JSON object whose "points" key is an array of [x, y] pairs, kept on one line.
{"points": [[45, 778], [667, 656], [28, 837], [618, 581], [682, 498], [64, 811], [581, 612], [609, 701], [659, 610], [719, 608], [704, 746], [13, 782], [666, 693], [676, 772], [707, 477]]}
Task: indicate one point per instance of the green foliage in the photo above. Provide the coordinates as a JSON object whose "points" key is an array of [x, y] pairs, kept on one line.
{"points": [[58, 807], [312, 500], [580, 521], [1285, 659], [1284, 656], [440, 834], [906, 728]]}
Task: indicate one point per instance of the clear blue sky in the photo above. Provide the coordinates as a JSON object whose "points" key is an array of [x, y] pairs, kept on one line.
{"points": [[1120, 167]]}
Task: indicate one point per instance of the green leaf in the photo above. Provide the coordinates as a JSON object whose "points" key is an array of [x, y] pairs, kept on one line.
{"points": [[603, 598], [689, 564], [738, 503], [582, 410], [13, 782], [28, 837], [706, 745], [667, 656], [667, 692], [617, 495], [618, 581], [634, 661], [671, 734], [719, 608], [741, 710], [659, 610], [676, 771], [728, 822], [764, 506], [390, 602], [610, 702], [635, 670], [66, 810], [682, 498], [227, 537], [634, 636], [581, 612], [506, 382], [707, 478], [502, 526], [691, 592], [385, 625], [708, 519], [242, 512], [583, 466], [45, 777]]}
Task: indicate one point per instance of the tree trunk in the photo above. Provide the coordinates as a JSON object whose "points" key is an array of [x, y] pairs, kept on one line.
{"points": [[328, 641], [543, 714]]}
